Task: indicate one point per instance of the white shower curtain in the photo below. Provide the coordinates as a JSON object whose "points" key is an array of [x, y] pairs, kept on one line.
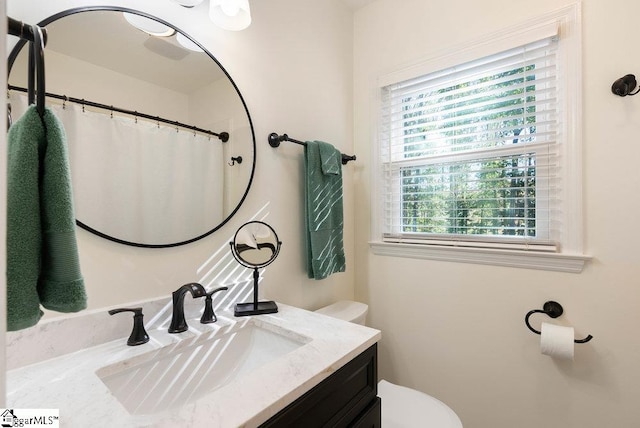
{"points": [[140, 181]]}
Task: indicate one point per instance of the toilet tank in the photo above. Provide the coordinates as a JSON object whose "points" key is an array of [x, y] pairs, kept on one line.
{"points": [[347, 310]]}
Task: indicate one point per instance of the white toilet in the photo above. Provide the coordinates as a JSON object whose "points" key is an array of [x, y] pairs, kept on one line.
{"points": [[401, 407]]}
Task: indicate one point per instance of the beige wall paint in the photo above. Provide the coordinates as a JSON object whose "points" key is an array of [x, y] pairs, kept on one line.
{"points": [[294, 68], [456, 331]]}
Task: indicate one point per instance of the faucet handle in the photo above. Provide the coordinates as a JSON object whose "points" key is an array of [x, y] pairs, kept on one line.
{"points": [[138, 334], [208, 316]]}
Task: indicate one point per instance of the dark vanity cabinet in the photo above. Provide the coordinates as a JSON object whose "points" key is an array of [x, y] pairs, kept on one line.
{"points": [[347, 398]]}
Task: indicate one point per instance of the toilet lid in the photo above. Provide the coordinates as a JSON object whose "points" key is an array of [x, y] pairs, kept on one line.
{"points": [[405, 407], [345, 310]]}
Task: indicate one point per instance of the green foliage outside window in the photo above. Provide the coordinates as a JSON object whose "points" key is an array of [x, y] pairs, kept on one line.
{"points": [[490, 195]]}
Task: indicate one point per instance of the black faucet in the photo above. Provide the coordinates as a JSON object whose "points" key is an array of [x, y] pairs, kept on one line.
{"points": [[178, 323], [138, 334], [208, 316]]}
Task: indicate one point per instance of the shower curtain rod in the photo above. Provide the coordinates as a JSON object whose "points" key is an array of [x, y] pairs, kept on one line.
{"points": [[223, 136]]}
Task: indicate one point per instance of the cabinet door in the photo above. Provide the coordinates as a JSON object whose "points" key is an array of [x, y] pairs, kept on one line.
{"points": [[336, 402]]}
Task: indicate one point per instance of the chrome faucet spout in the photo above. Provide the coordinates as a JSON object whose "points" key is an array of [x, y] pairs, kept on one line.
{"points": [[178, 322]]}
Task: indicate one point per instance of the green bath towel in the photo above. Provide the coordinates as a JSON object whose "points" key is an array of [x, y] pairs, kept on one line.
{"points": [[324, 216], [42, 256]]}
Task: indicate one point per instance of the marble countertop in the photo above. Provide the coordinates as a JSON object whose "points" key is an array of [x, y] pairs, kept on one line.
{"points": [[68, 381]]}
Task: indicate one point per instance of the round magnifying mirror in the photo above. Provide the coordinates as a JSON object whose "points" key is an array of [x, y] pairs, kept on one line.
{"points": [[255, 245]]}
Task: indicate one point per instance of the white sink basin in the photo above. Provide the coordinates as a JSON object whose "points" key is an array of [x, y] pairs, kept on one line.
{"points": [[182, 373]]}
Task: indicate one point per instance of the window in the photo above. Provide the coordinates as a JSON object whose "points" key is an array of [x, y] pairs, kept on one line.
{"points": [[478, 155]]}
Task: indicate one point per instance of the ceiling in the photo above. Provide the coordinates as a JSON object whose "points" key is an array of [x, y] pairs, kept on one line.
{"points": [[105, 39]]}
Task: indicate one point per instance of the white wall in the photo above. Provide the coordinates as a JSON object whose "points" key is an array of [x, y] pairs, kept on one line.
{"points": [[457, 331], [293, 67]]}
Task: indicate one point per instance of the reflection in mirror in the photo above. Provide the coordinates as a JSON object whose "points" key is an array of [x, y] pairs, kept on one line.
{"points": [[255, 245], [138, 181]]}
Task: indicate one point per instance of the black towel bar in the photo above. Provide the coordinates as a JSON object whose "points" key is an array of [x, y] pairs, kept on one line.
{"points": [[554, 310], [37, 38], [24, 31], [275, 140]]}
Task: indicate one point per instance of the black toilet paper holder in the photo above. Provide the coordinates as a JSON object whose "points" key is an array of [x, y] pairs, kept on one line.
{"points": [[554, 310]]}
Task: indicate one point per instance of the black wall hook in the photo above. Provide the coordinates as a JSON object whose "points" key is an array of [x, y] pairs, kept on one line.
{"points": [[234, 160], [625, 85], [554, 310]]}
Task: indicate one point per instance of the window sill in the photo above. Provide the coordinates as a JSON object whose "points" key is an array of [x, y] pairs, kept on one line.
{"points": [[572, 263]]}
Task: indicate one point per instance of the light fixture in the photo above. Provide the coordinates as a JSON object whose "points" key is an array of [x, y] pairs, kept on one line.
{"points": [[187, 43], [231, 15], [149, 26], [188, 3]]}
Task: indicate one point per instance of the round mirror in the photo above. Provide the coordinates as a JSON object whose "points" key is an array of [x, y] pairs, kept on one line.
{"points": [[153, 124], [255, 244]]}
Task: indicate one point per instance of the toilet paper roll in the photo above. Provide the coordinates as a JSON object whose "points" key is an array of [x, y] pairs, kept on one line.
{"points": [[557, 341]]}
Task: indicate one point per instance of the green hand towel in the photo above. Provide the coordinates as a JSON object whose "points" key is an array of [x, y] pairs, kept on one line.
{"points": [[42, 257], [324, 212]]}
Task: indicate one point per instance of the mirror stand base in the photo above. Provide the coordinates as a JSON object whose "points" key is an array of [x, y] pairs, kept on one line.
{"points": [[257, 308]]}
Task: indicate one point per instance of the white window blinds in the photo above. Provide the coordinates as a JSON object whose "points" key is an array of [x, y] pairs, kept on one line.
{"points": [[469, 155]]}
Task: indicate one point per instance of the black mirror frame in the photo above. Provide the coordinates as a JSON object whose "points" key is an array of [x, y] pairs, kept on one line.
{"points": [[20, 44]]}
